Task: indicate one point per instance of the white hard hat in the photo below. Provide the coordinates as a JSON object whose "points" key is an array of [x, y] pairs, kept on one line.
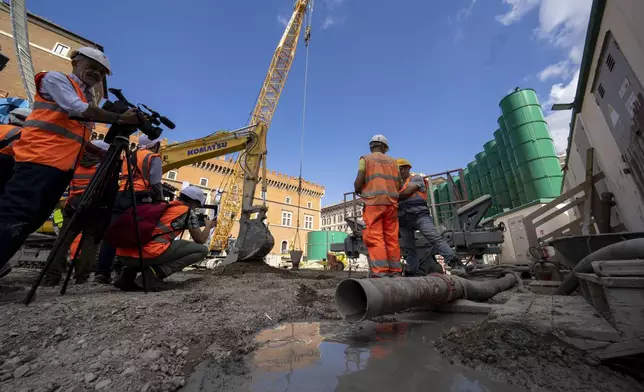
{"points": [[380, 139], [194, 193], [101, 144], [145, 142], [95, 55]]}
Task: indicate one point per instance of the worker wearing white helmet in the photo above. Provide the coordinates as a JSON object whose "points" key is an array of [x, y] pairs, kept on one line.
{"points": [[378, 183], [52, 140], [165, 255], [146, 173]]}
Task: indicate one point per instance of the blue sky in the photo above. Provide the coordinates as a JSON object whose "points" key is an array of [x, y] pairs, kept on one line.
{"points": [[428, 74]]}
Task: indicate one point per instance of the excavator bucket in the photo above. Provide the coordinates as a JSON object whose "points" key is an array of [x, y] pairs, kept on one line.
{"points": [[253, 243]]}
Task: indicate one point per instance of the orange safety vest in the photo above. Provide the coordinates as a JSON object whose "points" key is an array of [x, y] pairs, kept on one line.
{"points": [[82, 177], [381, 180], [162, 235], [141, 172], [49, 137], [7, 132], [418, 197]]}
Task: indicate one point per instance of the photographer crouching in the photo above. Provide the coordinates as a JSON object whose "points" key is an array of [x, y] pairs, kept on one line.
{"points": [[51, 144], [146, 169], [163, 255]]}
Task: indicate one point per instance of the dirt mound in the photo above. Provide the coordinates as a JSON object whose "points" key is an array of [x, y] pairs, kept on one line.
{"points": [[518, 356], [306, 295], [242, 268]]}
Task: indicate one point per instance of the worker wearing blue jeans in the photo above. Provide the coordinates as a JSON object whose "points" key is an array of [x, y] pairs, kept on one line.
{"points": [[413, 215]]}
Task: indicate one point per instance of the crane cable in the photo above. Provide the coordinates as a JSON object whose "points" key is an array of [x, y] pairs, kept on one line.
{"points": [[307, 38]]}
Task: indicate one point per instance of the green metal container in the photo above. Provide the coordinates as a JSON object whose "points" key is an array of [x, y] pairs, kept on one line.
{"points": [[443, 194], [319, 243], [468, 184], [436, 200], [475, 182], [532, 145], [484, 176], [508, 172], [518, 180], [499, 184]]}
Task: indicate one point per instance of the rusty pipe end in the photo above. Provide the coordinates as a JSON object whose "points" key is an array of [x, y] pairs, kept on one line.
{"points": [[352, 301]]}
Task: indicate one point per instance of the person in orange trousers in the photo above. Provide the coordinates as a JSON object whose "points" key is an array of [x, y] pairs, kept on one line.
{"points": [[378, 183]]}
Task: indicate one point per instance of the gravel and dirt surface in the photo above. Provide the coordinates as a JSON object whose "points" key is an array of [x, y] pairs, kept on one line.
{"points": [[516, 355], [99, 338]]}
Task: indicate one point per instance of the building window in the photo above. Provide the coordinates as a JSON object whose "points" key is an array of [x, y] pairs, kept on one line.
{"points": [[61, 49], [308, 222], [172, 175], [203, 181], [309, 204], [287, 218], [284, 246], [263, 195], [287, 200]]}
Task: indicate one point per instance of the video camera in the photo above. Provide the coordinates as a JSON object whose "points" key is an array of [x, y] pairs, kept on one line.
{"points": [[202, 217], [151, 120]]}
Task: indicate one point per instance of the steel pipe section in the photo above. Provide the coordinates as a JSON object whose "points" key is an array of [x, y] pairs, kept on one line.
{"points": [[363, 299]]}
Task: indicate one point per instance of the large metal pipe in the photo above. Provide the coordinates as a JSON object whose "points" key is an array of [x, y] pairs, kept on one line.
{"points": [[625, 250], [363, 299]]}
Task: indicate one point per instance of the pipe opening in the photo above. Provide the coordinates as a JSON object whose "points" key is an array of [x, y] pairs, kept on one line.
{"points": [[351, 300]]}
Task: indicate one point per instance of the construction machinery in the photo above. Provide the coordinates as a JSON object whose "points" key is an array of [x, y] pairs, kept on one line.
{"points": [[254, 240]]}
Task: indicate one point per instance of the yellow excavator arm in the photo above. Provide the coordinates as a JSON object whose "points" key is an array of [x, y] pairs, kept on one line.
{"points": [[198, 150]]}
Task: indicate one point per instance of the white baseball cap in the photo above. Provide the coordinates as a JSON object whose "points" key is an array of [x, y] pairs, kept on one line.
{"points": [[95, 55], [145, 142], [101, 144], [194, 193]]}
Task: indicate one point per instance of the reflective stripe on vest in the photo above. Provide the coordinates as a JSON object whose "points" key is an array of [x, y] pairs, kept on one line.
{"points": [[141, 172], [163, 233], [82, 177], [49, 137], [8, 132], [417, 198], [381, 180]]}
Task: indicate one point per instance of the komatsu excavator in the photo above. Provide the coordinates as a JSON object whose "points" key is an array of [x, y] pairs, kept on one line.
{"points": [[254, 241]]}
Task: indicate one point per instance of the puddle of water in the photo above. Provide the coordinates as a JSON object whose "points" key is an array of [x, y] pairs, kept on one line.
{"points": [[326, 357]]}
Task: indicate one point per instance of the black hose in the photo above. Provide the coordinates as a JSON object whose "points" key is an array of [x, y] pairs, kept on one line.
{"points": [[625, 250]]}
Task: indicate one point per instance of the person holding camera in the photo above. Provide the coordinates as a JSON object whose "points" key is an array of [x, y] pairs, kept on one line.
{"points": [[51, 144], [9, 133], [163, 255], [146, 173]]}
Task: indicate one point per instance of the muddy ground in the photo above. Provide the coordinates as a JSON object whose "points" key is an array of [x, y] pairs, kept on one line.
{"points": [[99, 338]]}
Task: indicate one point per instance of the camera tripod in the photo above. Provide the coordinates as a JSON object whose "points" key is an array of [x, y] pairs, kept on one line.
{"points": [[94, 205]]}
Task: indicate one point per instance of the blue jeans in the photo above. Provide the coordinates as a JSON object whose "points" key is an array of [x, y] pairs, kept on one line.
{"points": [[424, 223]]}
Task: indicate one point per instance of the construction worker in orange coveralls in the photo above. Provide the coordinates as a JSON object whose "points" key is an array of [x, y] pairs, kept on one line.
{"points": [[378, 183]]}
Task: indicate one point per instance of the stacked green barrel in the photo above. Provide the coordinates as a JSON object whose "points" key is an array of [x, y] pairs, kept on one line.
{"points": [[475, 182], [507, 168], [468, 184], [532, 145], [500, 192], [484, 177]]}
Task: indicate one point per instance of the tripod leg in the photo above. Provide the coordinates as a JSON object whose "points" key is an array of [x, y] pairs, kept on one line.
{"points": [[70, 268], [134, 216], [50, 259]]}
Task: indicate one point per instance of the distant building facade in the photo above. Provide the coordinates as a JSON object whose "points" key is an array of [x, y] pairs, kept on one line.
{"points": [[333, 216]]}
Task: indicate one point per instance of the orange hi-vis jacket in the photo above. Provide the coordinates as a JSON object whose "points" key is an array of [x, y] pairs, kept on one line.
{"points": [[163, 233], [418, 197], [82, 177], [141, 172], [381, 180], [49, 137], [7, 132]]}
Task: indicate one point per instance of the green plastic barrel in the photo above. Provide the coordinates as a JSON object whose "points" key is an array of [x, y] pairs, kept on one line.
{"points": [[532, 145], [499, 184], [468, 184], [319, 243], [508, 173], [475, 183]]}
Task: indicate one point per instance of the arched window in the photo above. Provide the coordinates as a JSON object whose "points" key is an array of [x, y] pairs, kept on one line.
{"points": [[284, 246]]}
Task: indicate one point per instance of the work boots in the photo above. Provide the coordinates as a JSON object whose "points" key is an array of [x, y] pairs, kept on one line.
{"points": [[457, 267], [125, 280]]}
